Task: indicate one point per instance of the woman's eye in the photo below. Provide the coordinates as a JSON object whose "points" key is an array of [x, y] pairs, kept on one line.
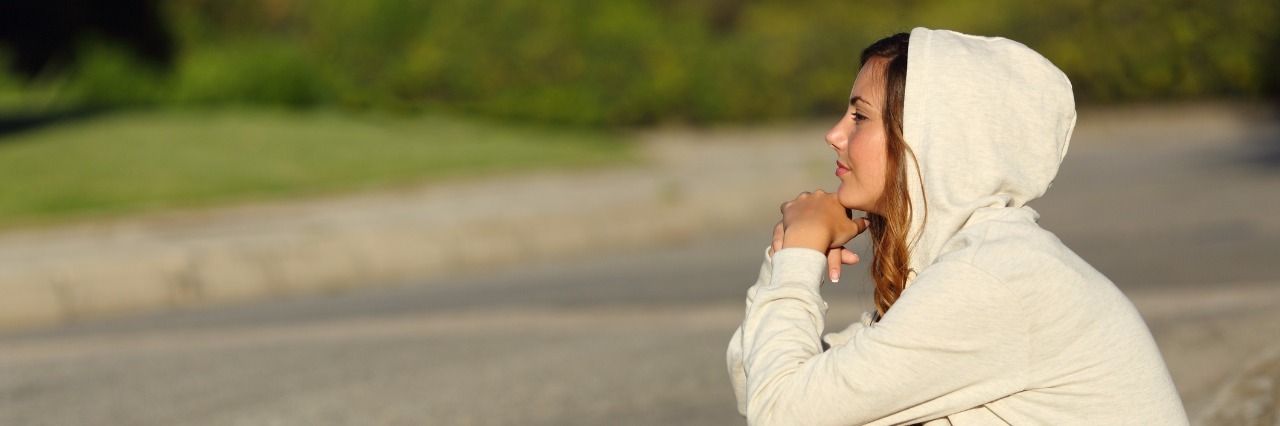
{"points": [[859, 117]]}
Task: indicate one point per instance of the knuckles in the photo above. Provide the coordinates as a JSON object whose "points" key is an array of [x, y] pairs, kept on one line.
{"points": [[807, 197], [811, 194]]}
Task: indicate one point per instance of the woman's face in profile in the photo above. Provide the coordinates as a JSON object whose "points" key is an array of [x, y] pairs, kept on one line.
{"points": [[859, 141]]}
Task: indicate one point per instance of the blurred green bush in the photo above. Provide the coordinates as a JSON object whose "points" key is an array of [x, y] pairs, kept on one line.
{"points": [[635, 62]]}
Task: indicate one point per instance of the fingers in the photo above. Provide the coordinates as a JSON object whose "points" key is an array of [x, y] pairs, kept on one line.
{"points": [[777, 239], [803, 195], [783, 207], [818, 214], [848, 257], [833, 264], [838, 257], [863, 224]]}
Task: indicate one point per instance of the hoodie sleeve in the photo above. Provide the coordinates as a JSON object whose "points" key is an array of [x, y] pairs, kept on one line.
{"points": [[953, 341], [734, 355]]}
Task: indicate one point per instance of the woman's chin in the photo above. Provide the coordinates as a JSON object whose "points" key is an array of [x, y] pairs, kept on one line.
{"points": [[849, 202]]}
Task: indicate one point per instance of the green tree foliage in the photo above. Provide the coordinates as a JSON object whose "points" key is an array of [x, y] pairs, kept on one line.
{"points": [[629, 62]]}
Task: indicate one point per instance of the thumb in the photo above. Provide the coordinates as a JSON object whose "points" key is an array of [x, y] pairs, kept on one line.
{"points": [[863, 224], [848, 257]]}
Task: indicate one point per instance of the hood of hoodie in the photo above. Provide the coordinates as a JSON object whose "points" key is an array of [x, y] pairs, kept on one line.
{"points": [[989, 121]]}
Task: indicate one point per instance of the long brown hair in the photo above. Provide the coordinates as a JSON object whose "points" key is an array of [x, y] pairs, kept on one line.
{"points": [[889, 267]]}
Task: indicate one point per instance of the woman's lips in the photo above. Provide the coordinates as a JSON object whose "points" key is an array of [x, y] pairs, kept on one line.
{"points": [[841, 169]]}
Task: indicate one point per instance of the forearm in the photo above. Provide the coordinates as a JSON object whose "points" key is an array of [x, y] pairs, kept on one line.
{"points": [[944, 349], [733, 355], [782, 329]]}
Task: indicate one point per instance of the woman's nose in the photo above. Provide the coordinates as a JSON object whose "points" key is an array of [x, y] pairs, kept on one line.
{"points": [[836, 137]]}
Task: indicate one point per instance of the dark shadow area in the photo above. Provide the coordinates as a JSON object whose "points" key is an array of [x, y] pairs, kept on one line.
{"points": [[1263, 149], [41, 34], [14, 124], [1265, 154]]}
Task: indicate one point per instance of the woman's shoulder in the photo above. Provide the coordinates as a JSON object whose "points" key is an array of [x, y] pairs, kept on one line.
{"points": [[1040, 271], [1021, 253]]}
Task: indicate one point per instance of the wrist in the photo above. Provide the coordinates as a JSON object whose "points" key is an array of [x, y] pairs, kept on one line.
{"points": [[805, 238]]}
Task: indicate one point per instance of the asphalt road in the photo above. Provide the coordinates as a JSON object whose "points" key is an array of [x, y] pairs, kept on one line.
{"points": [[1188, 227]]}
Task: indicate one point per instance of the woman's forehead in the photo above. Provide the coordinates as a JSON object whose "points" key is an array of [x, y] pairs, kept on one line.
{"points": [[869, 85]]}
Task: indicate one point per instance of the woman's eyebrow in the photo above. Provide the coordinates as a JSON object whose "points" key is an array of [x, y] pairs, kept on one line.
{"points": [[858, 98]]}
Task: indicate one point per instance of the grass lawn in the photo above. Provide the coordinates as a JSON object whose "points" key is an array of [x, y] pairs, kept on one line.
{"points": [[153, 160]]}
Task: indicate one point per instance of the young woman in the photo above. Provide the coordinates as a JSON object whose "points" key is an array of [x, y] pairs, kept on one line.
{"points": [[982, 317]]}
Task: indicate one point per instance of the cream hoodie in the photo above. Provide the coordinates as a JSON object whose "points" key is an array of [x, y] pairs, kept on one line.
{"points": [[1003, 324]]}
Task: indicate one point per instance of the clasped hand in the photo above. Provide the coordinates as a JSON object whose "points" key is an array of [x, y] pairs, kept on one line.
{"points": [[817, 221]]}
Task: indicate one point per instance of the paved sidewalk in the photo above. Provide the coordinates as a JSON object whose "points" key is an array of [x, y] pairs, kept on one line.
{"points": [[1221, 348]]}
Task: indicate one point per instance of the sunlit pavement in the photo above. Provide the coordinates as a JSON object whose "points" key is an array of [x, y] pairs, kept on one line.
{"points": [[1187, 223]]}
